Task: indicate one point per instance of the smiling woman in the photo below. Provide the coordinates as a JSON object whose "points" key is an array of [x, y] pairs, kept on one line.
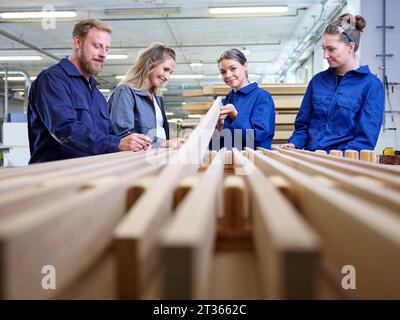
{"points": [[343, 106], [134, 106]]}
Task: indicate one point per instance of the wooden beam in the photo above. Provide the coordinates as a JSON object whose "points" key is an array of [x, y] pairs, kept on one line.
{"points": [[188, 241], [287, 248], [353, 232], [137, 236]]}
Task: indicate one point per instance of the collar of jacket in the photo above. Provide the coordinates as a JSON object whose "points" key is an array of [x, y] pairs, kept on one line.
{"points": [[72, 71], [361, 70], [247, 89]]}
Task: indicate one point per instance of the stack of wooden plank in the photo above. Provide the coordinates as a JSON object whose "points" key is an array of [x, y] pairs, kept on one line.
{"points": [[287, 99], [194, 224]]}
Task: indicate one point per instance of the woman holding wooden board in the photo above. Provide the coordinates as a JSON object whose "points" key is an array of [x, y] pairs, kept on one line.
{"points": [[247, 117], [343, 105]]}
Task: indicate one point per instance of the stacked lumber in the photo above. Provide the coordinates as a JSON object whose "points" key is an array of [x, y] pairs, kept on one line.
{"points": [[199, 224], [287, 99]]}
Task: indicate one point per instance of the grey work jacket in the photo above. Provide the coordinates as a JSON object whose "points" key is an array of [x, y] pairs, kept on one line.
{"points": [[132, 111]]}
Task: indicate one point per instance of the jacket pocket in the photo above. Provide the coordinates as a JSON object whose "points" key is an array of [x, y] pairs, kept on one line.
{"points": [[348, 103]]}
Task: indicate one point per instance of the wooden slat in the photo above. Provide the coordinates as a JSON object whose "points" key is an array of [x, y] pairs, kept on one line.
{"points": [[285, 118], [348, 166], [286, 247], [137, 236], [369, 192], [353, 232], [188, 241]]}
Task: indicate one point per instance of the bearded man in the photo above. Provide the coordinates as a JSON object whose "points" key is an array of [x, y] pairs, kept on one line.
{"points": [[67, 115]]}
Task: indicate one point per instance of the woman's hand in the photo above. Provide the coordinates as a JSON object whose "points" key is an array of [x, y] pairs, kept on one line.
{"points": [[173, 143], [287, 146], [226, 110]]}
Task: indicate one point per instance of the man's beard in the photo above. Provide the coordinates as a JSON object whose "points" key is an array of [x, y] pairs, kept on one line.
{"points": [[88, 65]]}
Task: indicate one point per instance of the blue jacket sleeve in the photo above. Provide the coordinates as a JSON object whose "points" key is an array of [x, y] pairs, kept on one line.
{"points": [[121, 104], [370, 119], [300, 136], [56, 107], [262, 121]]}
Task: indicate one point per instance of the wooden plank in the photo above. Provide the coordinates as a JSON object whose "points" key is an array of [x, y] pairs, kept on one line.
{"points": [[360, 187], [371, 166], [29, 195], [68, 235], [236, 204], [183, 188], [285, 118], [198, 107], [282, 135], [348, 166], [137, 236], [287, 248], [353, 232], [188, 241]]}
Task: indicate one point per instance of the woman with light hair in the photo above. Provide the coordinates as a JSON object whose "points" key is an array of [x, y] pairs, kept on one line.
{"points": [[343, 105], [135, 106]]}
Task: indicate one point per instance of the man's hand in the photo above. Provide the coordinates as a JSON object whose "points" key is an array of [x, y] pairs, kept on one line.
{"points": [[134, 142], [287, 146]]}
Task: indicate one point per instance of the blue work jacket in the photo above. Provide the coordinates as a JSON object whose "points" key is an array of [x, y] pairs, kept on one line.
{"points": [[344, 117], [68, 116], [255, 122], [132, 111]]}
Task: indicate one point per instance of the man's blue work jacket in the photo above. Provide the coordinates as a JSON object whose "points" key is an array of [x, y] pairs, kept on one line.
{"points": [[68, 116]]}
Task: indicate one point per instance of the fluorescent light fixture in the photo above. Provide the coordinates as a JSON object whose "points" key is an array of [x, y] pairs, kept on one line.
{"points": [[194, 116], [169, 113], [119, 77], [38, 14], [187, 76], [105, 90], [246, 52], [196, 64], [175, 120], [117, 56], [249, 10], [20, 58], [18, 78], [141, 11], [164, 89], [183, 103]]}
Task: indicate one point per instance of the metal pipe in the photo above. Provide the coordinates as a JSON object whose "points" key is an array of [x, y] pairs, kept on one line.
{"points": [[383, 68], [27, 81], [5, 116]]}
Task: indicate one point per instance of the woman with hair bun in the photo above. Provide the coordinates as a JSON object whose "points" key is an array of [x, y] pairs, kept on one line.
{"points": [[343, 105]]}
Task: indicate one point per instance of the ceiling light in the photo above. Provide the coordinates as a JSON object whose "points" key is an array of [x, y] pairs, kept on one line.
{"points": [[187, 76], [194, 116], [20, 58], [117, 56], [196, 64], [38, 14], [169, 113], [105, 90], [119, 77], [246, 52], [142, 10], [249, 10], [18, 78]]}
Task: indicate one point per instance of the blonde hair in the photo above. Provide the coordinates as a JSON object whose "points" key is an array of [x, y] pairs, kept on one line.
{"points": [[83, 27], [138, 75]]}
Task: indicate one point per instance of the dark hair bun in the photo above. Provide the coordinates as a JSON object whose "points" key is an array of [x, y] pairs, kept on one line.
{"points": [[360, 23]]}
